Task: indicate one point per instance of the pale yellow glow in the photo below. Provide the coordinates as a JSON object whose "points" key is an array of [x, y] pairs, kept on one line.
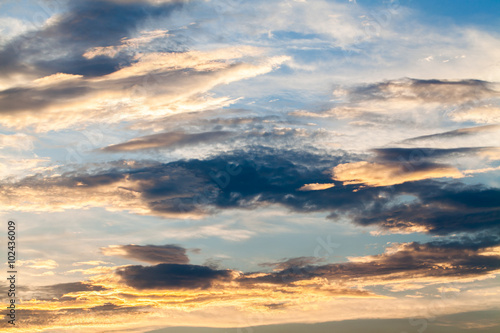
{"points": [[38, 263], [316, 187]]}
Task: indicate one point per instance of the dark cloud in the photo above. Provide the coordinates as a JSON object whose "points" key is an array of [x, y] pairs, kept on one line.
{"points": [[172, 276], [59, 47], [469, 241], [169, 140], [416, 155], [154, 254], [439, 207]]}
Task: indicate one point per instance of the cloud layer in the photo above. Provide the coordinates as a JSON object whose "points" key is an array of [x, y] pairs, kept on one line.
{"points": [[194, 188]]}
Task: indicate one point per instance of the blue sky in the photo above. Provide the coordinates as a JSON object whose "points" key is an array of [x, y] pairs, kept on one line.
{"points": [[230, 164]]}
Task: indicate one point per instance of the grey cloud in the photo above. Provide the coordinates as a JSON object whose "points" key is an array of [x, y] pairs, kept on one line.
{"points": [[442, 91], [29, 99], [59, 290]]}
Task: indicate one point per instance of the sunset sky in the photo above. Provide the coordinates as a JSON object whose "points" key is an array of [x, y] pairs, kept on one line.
{"points": [[201, 166]]}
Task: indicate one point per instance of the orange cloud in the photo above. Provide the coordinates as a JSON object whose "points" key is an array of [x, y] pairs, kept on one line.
{"points": [[109, 299], [386, 174]]}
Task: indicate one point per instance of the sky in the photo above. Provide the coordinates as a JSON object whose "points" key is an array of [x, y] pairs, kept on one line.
{"points": [[203, 166]]}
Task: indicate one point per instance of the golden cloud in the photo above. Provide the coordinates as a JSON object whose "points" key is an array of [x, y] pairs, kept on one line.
{"points": [[106, 301], [386, 174]]}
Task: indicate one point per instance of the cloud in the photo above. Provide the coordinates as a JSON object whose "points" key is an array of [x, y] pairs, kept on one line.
{"points": [[153, 2], [438, 208], [426, 91], [114, 191], [316, 187], [14, 166], [154, 254], [11, 27], [490, 154], [294, 285], [261, 177], [145, 65], [60, 45], [376, 174], [427, 263], [482, 114], [155, 86], [177, 189], [166, 287], [18, 141], [80, 74], [90, 263], [168, 140], [59, 290], [461, 100], [172, 276], [414, 156], [392, 166], [292, 262], [145, 39], [38, 263], [461, 132]]}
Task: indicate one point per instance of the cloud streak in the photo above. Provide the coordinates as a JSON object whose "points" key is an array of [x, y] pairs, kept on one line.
{"points": [[169, 140]]}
